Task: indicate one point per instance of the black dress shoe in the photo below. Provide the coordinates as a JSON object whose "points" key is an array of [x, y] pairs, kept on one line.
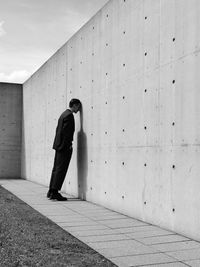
{"points": [[49, 193], [57, 196]]}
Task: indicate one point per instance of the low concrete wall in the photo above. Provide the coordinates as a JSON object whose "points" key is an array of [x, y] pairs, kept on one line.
{"points": [[10, 130], [135, 68]]}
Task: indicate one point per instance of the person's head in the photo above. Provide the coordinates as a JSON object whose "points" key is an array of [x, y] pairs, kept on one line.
{"points": [[75, 105]]}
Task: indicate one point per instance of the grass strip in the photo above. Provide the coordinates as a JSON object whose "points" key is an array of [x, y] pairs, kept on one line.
{"points": [[27, 238]]}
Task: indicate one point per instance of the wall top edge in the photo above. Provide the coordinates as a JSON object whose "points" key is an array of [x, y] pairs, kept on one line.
{"points": [[63, 45], [6, 83]]}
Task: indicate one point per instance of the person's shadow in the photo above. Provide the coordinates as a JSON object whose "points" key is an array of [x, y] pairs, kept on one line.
{"points": [[82, 160]]}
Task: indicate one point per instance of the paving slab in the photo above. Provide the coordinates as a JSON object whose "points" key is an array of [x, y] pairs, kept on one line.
{"points": [[176, 246], [127, 251], [114, 244], [73, 220], [162, 239], [54, 213], [78, 229], [141, 260], [100, 238], [121, 223], [105, 217], [193, 263], [97, 232], [73, 224], [137, 228], [123, 240], [174, 264], [183, 255], [153, 233]]}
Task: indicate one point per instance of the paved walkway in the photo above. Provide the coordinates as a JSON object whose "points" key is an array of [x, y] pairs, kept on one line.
{"points": [[123, 240]]}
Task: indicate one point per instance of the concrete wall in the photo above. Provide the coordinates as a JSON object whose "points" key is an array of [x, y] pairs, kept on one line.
{"points": [[135, 66], [10, 130]]}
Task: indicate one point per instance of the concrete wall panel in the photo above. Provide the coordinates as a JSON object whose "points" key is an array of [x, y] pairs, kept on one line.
{"points": [[168, 34], [187, 100], [186, 159], [167, 93], [10, 130], [135, 67]]}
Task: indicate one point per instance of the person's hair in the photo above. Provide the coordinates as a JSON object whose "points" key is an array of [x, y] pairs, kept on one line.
{"points": [[74, 101]]}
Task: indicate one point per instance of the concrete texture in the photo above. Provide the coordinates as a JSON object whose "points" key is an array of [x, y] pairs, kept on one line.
{"points": [[10, 130], [113, 241], [135, 67]]}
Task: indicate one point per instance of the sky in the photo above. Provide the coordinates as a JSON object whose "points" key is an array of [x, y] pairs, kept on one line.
{"points": [[31, 31]]}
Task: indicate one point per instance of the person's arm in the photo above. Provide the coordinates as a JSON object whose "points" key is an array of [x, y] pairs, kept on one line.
{"points": [[67, 131]]}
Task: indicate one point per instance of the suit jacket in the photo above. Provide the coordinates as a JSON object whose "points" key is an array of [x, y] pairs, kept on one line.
{"points": [[64, 131]]}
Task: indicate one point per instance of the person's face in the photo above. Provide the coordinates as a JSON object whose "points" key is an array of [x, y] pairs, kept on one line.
{"points": [[76, 107]]}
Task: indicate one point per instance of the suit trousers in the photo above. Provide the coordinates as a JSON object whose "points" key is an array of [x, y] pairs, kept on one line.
{"points": [[60, 167]]}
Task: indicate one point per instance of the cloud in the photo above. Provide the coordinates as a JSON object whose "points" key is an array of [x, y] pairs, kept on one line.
{"points": [[18, 76], [2, 31]]}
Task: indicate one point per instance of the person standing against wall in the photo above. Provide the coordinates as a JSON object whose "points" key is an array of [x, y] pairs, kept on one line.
{"points": [[63, 149]]}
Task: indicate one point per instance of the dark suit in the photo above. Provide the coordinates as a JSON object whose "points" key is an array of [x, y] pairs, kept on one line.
{"points": [[63, 147]]}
